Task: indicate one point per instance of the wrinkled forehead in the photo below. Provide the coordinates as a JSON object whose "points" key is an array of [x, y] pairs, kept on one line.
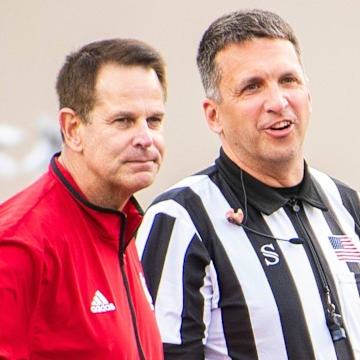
{"points": [[120, 80], [245, 45], [262, 52]]}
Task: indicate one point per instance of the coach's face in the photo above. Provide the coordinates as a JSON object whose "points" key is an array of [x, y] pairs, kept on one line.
{"points": [[123, 144]]}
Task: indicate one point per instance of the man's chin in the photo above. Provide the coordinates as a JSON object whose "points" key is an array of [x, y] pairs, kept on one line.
{"points": [[142, 180]]}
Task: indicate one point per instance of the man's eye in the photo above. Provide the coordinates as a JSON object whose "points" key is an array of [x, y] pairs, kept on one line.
{"points": [[154, 121], [124, 121], [251, 87], [289, 79]]}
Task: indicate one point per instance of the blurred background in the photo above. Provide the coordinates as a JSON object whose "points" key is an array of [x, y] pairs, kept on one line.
{"points": [[36, 36]]}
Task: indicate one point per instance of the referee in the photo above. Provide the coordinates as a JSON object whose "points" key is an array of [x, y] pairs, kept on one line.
{"points": [[257, 256]]}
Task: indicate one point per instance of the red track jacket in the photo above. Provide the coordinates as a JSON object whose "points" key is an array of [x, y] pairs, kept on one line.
{"points": [[71, 284]]}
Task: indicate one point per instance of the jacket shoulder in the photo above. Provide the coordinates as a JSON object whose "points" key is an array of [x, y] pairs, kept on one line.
{"points": [[25, 212]]}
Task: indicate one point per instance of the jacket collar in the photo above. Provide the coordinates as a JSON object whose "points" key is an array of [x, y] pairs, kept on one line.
{"points": [[131, 214], [264, 198]]}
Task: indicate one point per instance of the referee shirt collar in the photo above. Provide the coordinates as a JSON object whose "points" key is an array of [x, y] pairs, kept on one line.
{"points": [[265, 198]]}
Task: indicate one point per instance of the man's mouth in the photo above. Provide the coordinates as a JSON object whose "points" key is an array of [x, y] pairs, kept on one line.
{"points": [[281, 125], [141, 161]]}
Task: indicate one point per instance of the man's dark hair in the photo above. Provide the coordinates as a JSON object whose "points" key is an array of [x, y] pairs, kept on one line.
{"points": [[77, 78], [237, 27]]}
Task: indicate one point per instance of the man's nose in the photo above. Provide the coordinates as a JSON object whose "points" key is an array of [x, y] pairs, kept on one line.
{"points": [[276, 99], [142, 135]]}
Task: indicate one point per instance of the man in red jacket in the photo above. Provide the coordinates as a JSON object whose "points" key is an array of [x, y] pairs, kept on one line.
{"points": [[71, 284]]}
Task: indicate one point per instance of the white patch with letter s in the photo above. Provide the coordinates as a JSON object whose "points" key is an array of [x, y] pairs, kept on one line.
{"points": [[271, 257]]}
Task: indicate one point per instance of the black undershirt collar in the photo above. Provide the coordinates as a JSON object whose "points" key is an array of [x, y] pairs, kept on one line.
{"points": [[265, 198]]}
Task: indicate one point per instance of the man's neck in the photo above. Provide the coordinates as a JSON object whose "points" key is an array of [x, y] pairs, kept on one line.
{"points": [[97, 194], [274, 174]]}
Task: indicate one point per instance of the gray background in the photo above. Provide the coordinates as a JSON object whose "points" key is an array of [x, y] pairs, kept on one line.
{"points": [[36, 36]]}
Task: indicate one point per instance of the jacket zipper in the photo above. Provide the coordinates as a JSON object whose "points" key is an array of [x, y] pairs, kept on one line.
{"points": [[126, 284], [333, 319]]}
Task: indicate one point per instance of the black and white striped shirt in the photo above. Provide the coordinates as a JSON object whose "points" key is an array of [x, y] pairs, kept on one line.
{"points": [[225, 292]]}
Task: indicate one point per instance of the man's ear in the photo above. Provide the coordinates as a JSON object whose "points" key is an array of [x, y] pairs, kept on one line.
{"points": [[212, 115], [70, 124]]}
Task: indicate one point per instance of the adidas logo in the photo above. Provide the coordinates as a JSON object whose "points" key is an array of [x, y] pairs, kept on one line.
{"points": [[100, 304]]}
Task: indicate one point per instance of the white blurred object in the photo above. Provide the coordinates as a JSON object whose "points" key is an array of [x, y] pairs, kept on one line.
{"points": [[49, 130], [8, 167], [38, 158], [9, 135], [48, 143]]}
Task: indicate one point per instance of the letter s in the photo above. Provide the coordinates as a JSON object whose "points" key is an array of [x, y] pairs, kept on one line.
{"points": [[271, 257]]}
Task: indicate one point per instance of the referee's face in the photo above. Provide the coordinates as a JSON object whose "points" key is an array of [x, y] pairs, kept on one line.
{"points": [[265, 108]]}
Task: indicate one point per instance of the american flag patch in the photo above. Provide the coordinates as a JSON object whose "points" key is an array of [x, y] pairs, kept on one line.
{"points": [[345, 249]]}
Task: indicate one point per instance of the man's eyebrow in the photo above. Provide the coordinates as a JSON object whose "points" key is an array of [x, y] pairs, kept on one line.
{"points": [[158, 113], [250, 79], [123, 113], [293, 72], [130, 114], [246, 81]]}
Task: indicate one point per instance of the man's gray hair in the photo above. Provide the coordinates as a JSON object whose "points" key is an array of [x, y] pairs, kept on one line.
{"points": [[237, 27]]}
